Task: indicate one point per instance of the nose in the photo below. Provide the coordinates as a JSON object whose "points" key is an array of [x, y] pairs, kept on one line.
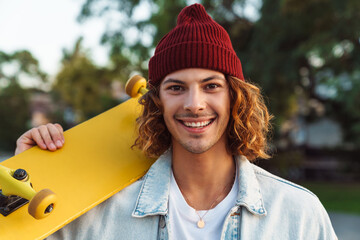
{"points": [[194, 101]]}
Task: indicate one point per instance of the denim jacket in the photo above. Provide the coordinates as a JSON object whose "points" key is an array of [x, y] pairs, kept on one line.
{"points": [[267, 207]]}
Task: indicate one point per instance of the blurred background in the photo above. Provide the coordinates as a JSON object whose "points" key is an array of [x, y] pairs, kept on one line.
{"points": [[67, 61]]}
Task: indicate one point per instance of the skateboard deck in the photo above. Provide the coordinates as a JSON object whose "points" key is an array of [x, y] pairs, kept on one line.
{"points": [[95, 162]]}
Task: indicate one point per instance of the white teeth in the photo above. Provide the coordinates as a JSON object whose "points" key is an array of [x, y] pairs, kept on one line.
{"points": [[197, 124]]}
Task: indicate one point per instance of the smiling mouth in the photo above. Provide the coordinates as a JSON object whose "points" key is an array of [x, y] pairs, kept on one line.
{"points": [[201, 124]]}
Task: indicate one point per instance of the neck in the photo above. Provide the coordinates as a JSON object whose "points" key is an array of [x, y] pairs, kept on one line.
{"points": [[203, 177]]}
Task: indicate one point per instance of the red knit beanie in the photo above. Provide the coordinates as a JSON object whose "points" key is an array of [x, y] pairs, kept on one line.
{"points": [[196, 42]]}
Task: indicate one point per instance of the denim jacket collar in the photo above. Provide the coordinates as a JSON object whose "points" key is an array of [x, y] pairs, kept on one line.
{"points": [[249, 194], [154, 194]]}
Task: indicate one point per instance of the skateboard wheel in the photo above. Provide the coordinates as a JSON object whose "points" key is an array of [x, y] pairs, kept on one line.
{"points": [[42, 204], [134, 85]]}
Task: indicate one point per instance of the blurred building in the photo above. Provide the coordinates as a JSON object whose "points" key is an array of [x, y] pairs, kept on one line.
{"points": [[41, 107], [322, 133]]}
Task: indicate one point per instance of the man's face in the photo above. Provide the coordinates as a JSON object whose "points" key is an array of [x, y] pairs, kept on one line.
{"points": [[196, 108]]}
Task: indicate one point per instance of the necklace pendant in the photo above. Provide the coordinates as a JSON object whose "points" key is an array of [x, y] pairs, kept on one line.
{"points": [[201, 223]]}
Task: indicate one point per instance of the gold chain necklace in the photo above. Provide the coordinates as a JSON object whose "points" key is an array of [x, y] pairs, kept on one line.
{"points": [[201, 222]]}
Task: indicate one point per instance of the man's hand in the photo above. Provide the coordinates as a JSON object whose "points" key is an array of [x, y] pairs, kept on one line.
{"points": [[49, 136]]}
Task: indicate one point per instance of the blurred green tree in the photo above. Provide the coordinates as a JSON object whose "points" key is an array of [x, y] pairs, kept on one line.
{"points": [[309, 48], [82, 86], [14, 99]]}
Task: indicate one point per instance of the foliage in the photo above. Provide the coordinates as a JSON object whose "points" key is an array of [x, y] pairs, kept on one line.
{"points": [[14, 115], [83, 87], [308, 50], [14, 100], [23, 63]]}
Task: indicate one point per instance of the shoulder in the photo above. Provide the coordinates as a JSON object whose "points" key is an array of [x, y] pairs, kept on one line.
{"points": [[276, 190], [288, 203], [274, 182]]}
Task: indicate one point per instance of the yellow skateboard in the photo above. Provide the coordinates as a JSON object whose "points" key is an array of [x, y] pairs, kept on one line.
{"points": [[95, 163]]}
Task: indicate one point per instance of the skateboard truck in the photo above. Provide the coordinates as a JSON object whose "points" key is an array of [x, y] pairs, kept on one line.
{"points": [[16, 191], [9, 204]]}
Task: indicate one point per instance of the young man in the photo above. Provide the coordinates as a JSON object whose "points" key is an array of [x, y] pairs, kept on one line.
{"points": [[205, 124]]}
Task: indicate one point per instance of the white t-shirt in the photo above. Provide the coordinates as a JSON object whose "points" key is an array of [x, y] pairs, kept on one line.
{"points": [[183, 218]]}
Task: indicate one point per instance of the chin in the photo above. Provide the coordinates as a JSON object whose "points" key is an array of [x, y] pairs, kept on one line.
{"points": [[196, 149]]}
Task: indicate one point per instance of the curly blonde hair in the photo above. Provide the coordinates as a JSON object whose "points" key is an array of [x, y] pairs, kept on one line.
{"points": [[247, 129]]}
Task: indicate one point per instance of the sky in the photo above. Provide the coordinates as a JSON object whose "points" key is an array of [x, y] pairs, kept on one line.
{"points": [[45, 27]]}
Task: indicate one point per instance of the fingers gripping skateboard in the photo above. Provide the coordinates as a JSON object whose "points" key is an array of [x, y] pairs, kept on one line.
{"points": [[136, 85], [17, 183]]}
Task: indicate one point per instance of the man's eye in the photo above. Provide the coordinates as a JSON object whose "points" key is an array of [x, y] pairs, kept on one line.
{"points": [[175, 88], [212, 86]]}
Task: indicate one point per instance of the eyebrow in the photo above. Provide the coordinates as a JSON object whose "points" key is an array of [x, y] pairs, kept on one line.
{"points": [[213, 77], [172, 80]]}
